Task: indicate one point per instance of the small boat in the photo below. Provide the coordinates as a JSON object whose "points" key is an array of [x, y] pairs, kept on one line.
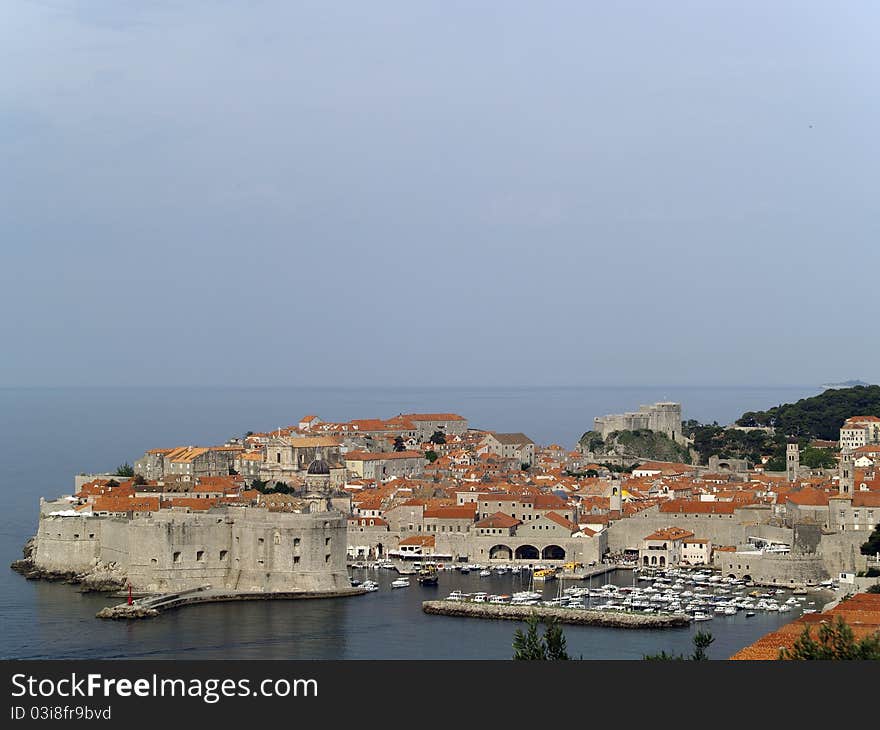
{"points": [[749, 614], [400, 583], [702, 616], [354, 582], [428, 576], [464, 570], [370, 586], [485, 573]]}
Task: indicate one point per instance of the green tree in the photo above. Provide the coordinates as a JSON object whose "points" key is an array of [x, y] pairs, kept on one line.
{"points": [[529, 645], [554, 640], [818, 458], [399, 445], [438, 437], [872, 547], [125, 470], [874, 588], [702, 641], [431, 456], [835, 641]]}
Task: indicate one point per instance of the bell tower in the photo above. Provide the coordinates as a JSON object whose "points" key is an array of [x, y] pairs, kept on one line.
{"points": [[846, 485], [615, 499], [792, 460]]}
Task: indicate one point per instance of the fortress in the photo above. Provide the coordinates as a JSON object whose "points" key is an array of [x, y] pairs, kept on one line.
{"points": [[662, 417], [232, 548]]}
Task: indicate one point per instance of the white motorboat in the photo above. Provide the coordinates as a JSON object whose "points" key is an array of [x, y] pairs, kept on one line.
{"points": [[485, 573], [702, 616], [370, 586], [400, 583]]}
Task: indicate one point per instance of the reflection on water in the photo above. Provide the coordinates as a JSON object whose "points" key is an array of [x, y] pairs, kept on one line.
{"points": [[388, 624]]}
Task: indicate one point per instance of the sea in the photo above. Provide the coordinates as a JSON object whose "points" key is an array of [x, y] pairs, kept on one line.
{"points": [[47, 435]]}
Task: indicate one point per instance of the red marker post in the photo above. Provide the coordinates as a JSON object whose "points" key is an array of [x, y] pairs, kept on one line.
{"points": [[130, 601]]}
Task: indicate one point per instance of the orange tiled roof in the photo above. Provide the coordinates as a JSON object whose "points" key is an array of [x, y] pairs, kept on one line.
{"points": [[861, 613]]}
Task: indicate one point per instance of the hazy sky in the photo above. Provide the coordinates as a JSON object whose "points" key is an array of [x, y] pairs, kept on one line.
{"points": [[441, 193]]}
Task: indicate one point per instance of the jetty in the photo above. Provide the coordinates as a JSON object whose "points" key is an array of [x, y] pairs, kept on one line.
{"points": [[578, 616], [153, 605], [590, 572]]}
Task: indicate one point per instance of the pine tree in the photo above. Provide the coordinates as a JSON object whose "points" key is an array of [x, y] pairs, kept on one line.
{"points": [[529, 646], [554, 640]]}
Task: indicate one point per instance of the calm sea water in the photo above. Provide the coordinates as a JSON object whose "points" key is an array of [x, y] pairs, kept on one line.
{"points": [[48, 435]]}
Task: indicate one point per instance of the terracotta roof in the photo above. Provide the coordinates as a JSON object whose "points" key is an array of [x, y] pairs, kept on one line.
{"points": [[693, 506], [670, 533], [453, 512], [423, 540], [561, 521], [382, 456], [861, 613], [499, 519]]}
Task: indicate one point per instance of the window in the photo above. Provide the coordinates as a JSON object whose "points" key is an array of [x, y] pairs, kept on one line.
{"points": [[176, 557], [295, 559], [200, 556], [223, 555], [296, 542], [326, 558], [327, 541]]}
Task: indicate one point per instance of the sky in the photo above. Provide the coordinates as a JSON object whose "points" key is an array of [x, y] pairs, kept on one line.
{"points": [[438, 193]]}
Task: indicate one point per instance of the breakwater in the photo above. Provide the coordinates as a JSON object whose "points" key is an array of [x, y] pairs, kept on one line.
{"points": [[582, 617], [152, 606]]}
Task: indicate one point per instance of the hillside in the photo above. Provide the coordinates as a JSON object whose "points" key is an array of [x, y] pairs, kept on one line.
{"points": [[643, 444], [820, 416]]}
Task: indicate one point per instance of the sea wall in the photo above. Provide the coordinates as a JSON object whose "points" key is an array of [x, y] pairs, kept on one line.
{"points": [[243, 549], [67, 544], [770, 569], [583, 617]]}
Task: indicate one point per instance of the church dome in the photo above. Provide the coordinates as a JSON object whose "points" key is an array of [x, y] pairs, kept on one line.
{"points": [[319, 467]]}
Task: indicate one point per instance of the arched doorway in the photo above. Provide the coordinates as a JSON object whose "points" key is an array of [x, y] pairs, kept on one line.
{"points": [[553, 552], [499, 552], [526, 552]]}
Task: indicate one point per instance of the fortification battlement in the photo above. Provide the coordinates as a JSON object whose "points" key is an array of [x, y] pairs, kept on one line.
{"points": [[663, 417]]}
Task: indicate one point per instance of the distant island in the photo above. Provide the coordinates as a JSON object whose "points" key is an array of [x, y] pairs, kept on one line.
{"points": [[845, 384]]}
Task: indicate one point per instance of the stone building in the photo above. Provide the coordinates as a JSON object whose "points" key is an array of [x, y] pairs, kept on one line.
{"points": [[290, 456], [509, 446], [366, 465], [233, 548], [664, 417], [426, 424], [858, 431], [663, 548]]}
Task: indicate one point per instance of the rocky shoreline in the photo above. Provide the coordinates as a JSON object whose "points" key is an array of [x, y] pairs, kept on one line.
{"points": [[100, 578], [609, 619]]}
